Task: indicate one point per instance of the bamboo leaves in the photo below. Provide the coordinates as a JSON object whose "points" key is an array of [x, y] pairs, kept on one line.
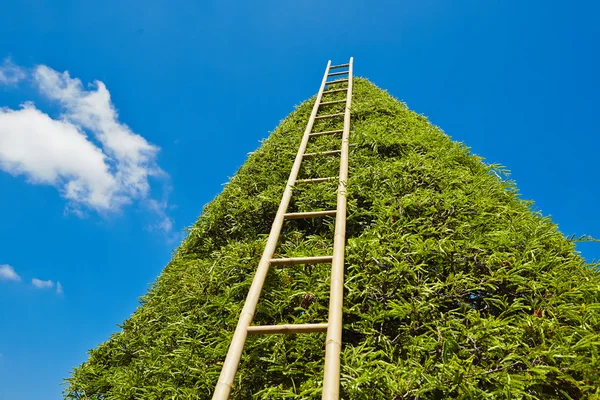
{"points": [[455, 287]]}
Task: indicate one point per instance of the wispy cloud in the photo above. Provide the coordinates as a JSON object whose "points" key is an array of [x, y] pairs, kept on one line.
{"points": [[7, 273], [96, 161], [164, 223], [40, 284], [10, 74]]}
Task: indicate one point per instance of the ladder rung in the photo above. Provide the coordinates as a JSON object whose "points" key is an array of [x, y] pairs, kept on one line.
{"points": [[338, 81], [310, 214], [301, 260], [339, 66], [335, 91], [330, 116], [325, 103], [286, 329], [323, 153], [317, 180], [339, 73], [326, 132]]}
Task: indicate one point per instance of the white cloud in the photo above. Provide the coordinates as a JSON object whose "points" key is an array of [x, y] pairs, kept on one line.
{"points": [[59, 288], [7, 273], [56, 153], [10, 74], [134, 157], [88, 154], [40, 284]]}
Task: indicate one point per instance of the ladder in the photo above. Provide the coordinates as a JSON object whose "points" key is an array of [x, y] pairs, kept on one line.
{"points": [[333, 327]]}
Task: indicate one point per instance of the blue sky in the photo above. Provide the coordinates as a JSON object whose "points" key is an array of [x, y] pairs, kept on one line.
{"points": [[173, 95]]}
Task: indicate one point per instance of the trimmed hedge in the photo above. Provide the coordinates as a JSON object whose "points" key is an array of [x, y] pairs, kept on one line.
{"points": [[455, 287]]}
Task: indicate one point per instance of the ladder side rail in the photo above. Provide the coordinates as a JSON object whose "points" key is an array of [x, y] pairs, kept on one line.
{"points": [[230, 366], [333, 346]]}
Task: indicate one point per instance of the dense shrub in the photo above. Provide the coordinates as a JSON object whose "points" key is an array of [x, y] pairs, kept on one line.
{"points": [[455, 288]]}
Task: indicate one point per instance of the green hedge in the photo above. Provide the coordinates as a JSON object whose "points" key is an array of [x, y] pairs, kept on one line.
{"points": [[455, 288]]}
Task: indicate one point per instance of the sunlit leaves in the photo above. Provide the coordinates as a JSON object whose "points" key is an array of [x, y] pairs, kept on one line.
{"points": [[455, 287]]}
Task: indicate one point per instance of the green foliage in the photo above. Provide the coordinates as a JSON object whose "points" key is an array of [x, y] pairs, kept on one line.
{"points": [[455, 288]]}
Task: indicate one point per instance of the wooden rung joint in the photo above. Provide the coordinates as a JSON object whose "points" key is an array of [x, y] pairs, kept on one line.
{"points": [[286, 329], [335, 91], [301, 260], [339, 73], [333, 132], [310, 214], [338, 81], [339, 66], [329, 116], [326, 103], [323, 153], [316, 180]]}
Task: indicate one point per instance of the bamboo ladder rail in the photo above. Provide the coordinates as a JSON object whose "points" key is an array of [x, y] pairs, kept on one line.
{"points": [[333, 327]]}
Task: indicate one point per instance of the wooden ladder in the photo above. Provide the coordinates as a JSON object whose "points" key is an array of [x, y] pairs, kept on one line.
{"points": [[333, 327]]}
